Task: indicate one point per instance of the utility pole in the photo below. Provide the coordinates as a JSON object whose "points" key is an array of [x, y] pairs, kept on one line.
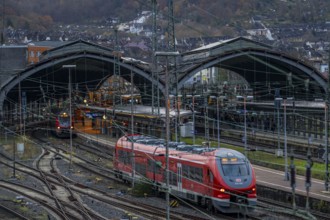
{"points": [[326, 180], [170, 27], [218, 117], [293, 181], [245, 98], [154, 58], [20, 104], [206, 120], [14, 156], [277, 103], [173, 79], [132, 132], [308, 182], [3, 37], [70, 110], [167, 119], [116, 71]]}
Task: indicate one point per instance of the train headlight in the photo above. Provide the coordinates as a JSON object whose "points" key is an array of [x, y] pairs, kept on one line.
{"points": [[58, 128], [71, 127], [223, 194]]}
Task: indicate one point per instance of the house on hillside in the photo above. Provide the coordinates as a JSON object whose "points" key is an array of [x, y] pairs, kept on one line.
{"points": [[35, 49]]}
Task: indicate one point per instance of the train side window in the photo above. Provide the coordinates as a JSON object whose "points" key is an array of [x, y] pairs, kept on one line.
{"points": [[141, 169], [199, 174], [124, 157], [154, 166], [150, 167], [185, 170], [193, 173], [129, 157], [121, 156], [158, 165], [173, 179], [210, 174]]}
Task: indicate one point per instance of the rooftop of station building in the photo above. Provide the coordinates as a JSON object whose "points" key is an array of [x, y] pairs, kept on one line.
{"points": [[139, 110]]}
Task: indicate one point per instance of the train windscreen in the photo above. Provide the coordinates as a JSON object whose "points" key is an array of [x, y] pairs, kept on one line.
{"points": [[64, 121], [234, 167]]}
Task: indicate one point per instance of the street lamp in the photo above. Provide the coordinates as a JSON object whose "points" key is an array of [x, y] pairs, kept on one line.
{"points": [[69, 67], [176, 101], [286, 177], [132, 132], [278, 105], [167, 118], [131, 61], [286, 171], [326, 159], [218, 116], [193, 110], [177, 119], [245, 98]]}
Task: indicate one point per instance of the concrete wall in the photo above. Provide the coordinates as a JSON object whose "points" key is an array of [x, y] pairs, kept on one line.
{"points": [[13, 57], [285, 198], [12, 60]]}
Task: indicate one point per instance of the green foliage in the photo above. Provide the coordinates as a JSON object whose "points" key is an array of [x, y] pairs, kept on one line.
{"points": [[142, 189], [26, 25], [321, 206], [199, 12]]}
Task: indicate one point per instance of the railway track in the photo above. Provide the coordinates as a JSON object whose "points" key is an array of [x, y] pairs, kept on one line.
{"points": [[62, 191], [97, 194], [60, 194], [139, 209], [283, 212], [38, 196], [13, 212], [264, 145], [146, 211]]}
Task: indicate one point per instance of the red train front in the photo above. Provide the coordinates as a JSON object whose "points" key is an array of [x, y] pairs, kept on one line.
{"points": [[234, 182], [222, 179], [62, 125]]}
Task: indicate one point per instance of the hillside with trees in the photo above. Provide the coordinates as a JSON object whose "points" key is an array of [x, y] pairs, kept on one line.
{"points": [[192, 17]]}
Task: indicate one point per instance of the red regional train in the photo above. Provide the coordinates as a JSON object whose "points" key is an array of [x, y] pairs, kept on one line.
{"points": [[221, 180], [62, 125]]}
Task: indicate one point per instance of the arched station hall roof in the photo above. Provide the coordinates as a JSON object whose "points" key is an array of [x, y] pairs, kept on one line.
{"points": [[94, 64], [263, 67]]}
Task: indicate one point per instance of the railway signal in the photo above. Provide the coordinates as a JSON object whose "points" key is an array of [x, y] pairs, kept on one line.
{"points": [[293, 182], [308, 182]]}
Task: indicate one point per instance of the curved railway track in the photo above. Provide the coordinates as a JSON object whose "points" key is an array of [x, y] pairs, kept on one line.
{"points": [[269, 203], [13, 212], [60, 195], [61, 191], [72, 188], [269, 144], [147, 211]]}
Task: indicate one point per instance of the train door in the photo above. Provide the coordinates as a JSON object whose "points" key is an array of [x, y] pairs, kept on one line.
{"points": [[179, 174], [210, 181]]}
